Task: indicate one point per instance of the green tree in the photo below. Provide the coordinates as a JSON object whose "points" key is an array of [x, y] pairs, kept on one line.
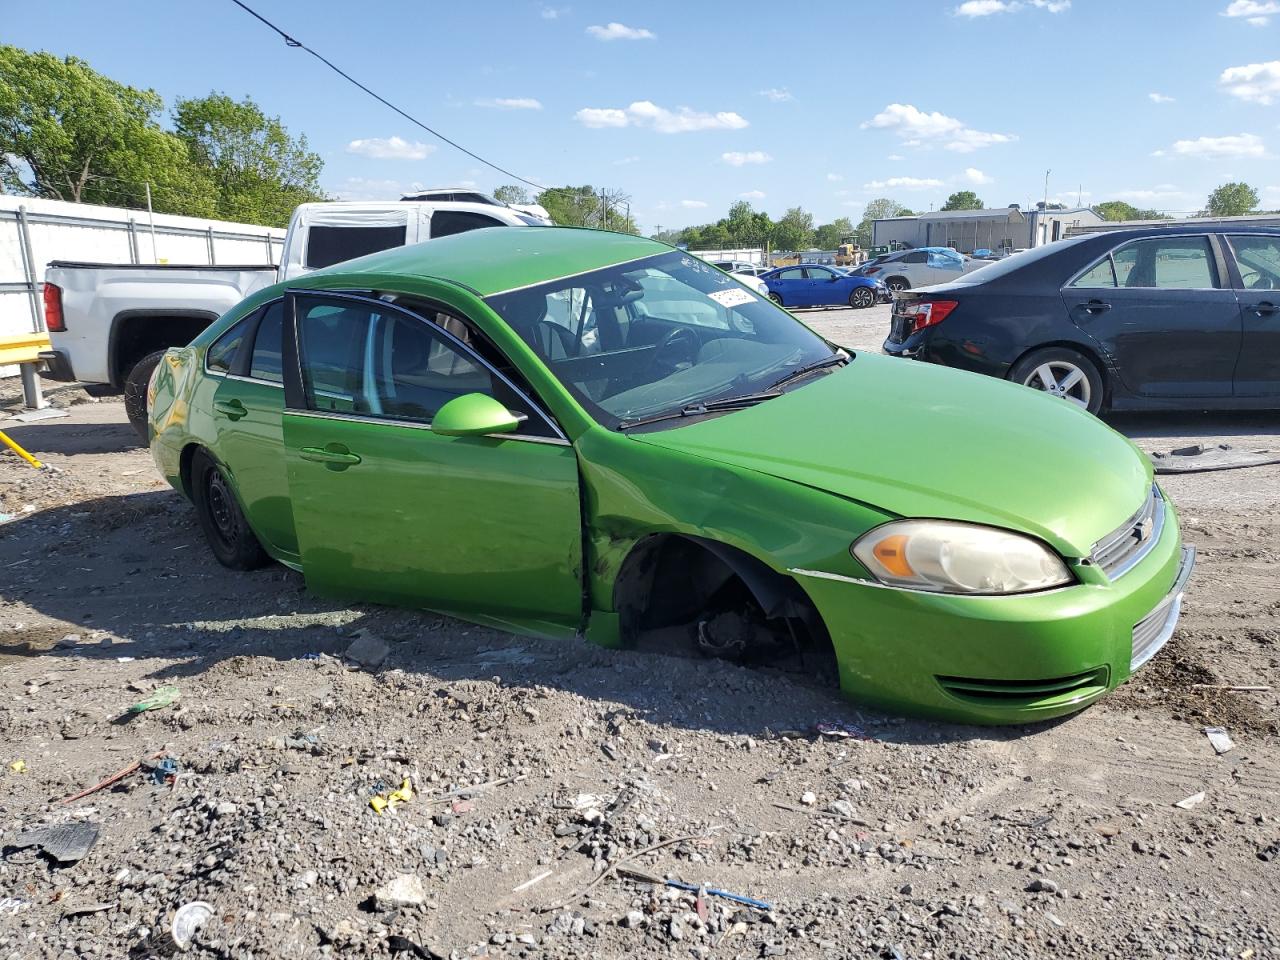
{"points": [[258, 170], [69, 133], [1232, 200], [1116, 210], [510, 193], [586, 206], [794, 231], [963, 200], [829, 235], [881, 208]]}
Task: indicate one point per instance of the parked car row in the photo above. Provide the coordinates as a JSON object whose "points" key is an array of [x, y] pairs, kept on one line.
{"points": [[811, 285], [1131, 320], [919, 267]]}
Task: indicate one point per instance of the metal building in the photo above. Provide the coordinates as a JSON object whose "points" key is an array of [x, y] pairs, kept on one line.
{"points": [[1008, 228]]}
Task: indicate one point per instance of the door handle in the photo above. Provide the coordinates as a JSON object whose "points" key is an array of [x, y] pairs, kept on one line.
{"points": [[343, 457], [1095, 306], [232, 409], [1266, 309]]}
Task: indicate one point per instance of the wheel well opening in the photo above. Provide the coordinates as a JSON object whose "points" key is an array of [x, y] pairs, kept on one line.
{"points": [[696, 597], [185, 461], [137, 335]]}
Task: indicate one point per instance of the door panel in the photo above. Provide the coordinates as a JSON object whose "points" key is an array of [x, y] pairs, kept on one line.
{"points": [[1161, 313], [389, 511], [466, 524], [1258, 260]]}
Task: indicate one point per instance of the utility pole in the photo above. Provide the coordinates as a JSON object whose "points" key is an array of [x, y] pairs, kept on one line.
{"points": [[155, 256], [1044, 211]]}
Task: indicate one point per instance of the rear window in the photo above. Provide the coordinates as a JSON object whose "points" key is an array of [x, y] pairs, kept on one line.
{"points": [[329, 245], [994, 271], [445, 223]]}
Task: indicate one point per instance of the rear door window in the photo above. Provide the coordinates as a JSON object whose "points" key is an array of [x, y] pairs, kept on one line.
{"points": [[1101, 274], [329, 245], [795, 273], [266, 362], [1258, 258], [1170, 263], [445, 223], [221, 356]]}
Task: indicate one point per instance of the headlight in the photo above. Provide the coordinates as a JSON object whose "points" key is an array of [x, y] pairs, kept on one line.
{"points": [[942, 556]]}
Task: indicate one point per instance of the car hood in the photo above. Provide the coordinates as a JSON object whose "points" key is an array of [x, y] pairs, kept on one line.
{"points": [[917, 440]]}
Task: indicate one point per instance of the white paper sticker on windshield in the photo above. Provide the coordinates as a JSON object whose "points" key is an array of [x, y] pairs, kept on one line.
{"points": [[731, 298]]}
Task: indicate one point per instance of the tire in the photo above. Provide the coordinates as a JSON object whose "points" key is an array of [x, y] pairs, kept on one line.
{"points": [[224, 525], [862, 297], [101, 390], [897, 284], [776, 299], [1062, 372], [135, 392]]}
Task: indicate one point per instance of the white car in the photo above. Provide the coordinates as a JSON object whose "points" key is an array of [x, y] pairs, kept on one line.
{"points": [[748, 273], [907, 269]]}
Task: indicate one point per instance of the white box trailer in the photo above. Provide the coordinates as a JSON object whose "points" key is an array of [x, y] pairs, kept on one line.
{"points": [[35, 232]]}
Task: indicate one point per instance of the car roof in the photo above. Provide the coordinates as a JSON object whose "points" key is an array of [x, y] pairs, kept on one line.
{"points": [[497, 259]]}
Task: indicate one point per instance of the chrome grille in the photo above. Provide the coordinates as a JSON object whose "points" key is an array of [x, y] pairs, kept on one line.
{"points": [[1154, 630], [1121, 550]]}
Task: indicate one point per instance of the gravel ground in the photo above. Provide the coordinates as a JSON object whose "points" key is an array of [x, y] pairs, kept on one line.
{"points": [[538, 765]]}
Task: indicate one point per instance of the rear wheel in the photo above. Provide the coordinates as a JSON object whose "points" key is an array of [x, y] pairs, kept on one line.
{"points": [[223, 522], [135, 391], [1064, 373], [897, 284], [862, 297], [776, 299]]}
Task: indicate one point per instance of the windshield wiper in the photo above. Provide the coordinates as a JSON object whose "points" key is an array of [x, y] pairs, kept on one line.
{"points": [[709, 406], [808, 368]]}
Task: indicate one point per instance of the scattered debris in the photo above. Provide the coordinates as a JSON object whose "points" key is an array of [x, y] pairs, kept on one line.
{"points": [[163, 697], [1198, 457], [164, 772], [84, 909], [842, 731], [368, 651], [1220, 739], [405, 890], [189, 917], [18, 766], [1235, 687], [529, 883], [115, 777], [390, 799], [63, 843], [1188, 802], [12, 905]]}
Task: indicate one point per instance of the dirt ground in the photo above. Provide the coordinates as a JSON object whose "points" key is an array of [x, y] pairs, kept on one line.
{"points": [[537, 764]]}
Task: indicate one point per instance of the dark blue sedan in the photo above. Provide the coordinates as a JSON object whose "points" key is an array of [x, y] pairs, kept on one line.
{"points": [[811, 285]]}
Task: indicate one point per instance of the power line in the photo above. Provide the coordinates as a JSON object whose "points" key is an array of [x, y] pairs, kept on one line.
{"points": [[290, 41]]}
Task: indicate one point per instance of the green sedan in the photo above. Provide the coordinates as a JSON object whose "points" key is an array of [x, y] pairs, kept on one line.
{"points": [[585, 434]]}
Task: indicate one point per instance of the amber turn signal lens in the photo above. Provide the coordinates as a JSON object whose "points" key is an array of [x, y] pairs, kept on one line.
{"points": [[892, 553]]}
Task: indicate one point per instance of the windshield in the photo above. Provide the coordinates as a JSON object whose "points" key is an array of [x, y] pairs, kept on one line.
{"points": [[657, 335]]}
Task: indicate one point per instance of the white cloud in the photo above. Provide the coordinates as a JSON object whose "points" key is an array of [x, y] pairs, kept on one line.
{"points": [[554, 13], [835, 177], [1240, 145], [644, 113], [390, 148], [1255, 12], [511, 103], [917, 128], [693, 204], [894, 156], [1254, 82], [903, 183], [625, 161], [1161, 195], [736, 158], [620, 31], [777, 94], [975, 176], [363, 188], [987, 8], [759, 194], [1159, 98]]}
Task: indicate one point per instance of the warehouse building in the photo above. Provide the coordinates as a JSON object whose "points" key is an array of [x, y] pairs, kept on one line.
{"points": [[1007, 228], [1269, 220]]}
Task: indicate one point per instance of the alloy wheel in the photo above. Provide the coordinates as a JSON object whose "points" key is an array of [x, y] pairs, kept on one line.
{"points": [[1063, 379], [862, 297]]}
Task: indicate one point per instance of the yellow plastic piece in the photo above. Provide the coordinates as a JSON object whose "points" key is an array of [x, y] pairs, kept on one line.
{"points": [[393, 798], [18, 766], [12, 445]]}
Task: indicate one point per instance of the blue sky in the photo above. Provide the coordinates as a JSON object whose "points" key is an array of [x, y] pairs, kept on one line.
{"points": [[692, 105]]}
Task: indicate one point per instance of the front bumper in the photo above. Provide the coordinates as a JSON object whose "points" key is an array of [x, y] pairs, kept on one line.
{"points": [[999, 660]]}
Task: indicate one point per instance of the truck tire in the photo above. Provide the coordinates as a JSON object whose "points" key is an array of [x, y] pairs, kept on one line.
{"points": [[135, 392], [232, 541]]}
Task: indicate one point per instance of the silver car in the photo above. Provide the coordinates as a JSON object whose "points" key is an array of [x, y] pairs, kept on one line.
{"points": [[906, 269]]}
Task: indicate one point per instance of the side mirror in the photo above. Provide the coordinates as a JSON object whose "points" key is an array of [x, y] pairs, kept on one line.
{"points": [[474, 415]]}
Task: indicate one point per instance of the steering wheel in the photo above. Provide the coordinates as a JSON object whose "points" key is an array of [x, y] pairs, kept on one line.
{"points": [[679, 346], [1263, 283]]}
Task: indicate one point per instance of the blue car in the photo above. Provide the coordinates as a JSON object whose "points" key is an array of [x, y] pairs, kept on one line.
{"points": [[811, 285]]}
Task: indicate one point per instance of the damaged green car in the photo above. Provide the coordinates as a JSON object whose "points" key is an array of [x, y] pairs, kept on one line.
{"points": [[578, 433]]}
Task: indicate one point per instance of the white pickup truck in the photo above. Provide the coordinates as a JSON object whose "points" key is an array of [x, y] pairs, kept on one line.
{"points": [[109, 324]]}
